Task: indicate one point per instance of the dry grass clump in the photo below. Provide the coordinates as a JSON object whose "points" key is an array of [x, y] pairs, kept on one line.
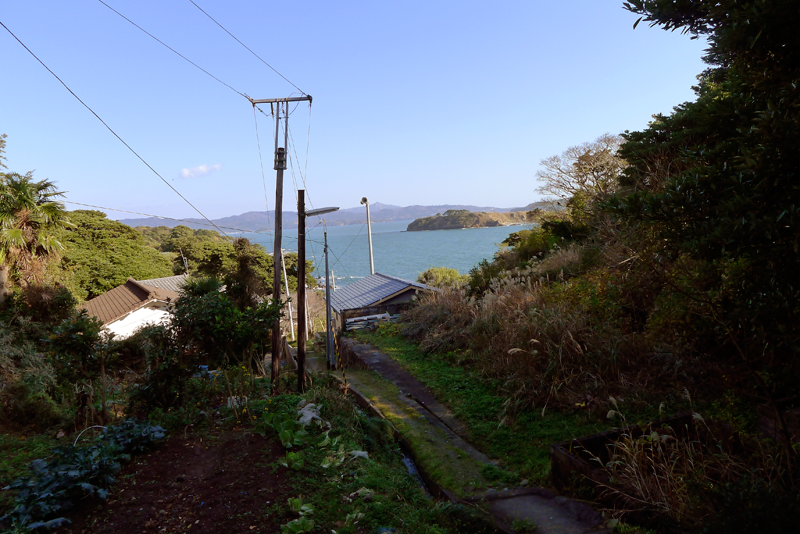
{"points": [[549, 344], [671, 472], [566, 259]]}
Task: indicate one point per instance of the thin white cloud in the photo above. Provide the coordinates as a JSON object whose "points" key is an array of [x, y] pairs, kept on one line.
{"points": [[200, 170]]}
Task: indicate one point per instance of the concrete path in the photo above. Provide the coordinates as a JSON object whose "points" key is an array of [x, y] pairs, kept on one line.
{"points": [[449, 465]]}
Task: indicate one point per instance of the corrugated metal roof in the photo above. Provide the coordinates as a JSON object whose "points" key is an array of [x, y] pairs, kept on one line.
{"points": [[171, 283], [125, 298], [369, 290]]}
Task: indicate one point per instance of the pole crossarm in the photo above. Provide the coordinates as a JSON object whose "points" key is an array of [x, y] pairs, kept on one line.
{"points": [[255, 101]]}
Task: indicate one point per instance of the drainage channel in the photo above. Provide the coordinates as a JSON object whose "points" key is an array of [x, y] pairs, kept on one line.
{"points": [[411, 467]]}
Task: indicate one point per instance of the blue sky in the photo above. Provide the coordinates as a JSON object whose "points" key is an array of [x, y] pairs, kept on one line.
{"points": [[415, 102]]}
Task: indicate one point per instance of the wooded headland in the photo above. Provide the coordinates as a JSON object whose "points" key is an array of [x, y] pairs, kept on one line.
{"points": [[457, 219]]}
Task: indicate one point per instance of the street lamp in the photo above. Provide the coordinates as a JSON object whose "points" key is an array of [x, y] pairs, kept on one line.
{"points": [[301, 286], [364, 201]]}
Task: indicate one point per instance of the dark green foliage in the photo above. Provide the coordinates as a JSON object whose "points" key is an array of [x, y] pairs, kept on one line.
{"points": [[749, 506], [24, 405], [101, 254], [133, 437], [165, 239], [730, 198], [247, 281], [377, 434], [534, 243], [211, 325], [48, 304], [75, 346], [74, 473], [481, 276], [168, 371], [28, 379], [567, 230]]}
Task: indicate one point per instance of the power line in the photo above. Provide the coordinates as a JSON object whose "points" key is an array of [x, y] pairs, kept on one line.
{"points": [[297, 159], [339, 262], [248, 49], [110, 130], [348, 248], [260, 159], [172, 49]]}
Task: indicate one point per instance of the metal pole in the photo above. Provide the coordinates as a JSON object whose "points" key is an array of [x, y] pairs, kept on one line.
{"points": [[329, 330], [301, 289], [369, 234], [288, 292]]}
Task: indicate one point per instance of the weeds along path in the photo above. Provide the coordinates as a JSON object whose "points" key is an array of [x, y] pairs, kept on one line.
{"points": [[450, 466]]}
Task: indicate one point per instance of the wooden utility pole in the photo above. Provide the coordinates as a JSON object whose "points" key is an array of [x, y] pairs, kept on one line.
{"points": [[301, 289], [281, 114], [301, 281]]}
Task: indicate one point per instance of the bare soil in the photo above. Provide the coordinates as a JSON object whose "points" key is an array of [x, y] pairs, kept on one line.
{"points": [[200, 484]]}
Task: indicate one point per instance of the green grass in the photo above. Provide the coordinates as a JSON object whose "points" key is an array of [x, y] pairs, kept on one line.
{"points": [[340, 491], [451, 468], [16, 453], [521, 443]]}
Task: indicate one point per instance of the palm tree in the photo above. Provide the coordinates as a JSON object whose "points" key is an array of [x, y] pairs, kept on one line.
{"points": [[28, 215]]}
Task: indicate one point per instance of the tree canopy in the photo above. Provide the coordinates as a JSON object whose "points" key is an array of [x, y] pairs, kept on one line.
{"points": [[583, 174], [717, 179], [101, 254]]}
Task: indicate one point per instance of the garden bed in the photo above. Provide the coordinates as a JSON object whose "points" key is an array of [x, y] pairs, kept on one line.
{"points": [[582, 460]]}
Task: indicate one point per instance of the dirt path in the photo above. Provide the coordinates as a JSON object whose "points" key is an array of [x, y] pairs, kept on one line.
{"points": [[201, 485], [446, 460]]}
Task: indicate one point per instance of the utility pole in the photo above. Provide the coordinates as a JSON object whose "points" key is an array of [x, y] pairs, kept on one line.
{"points": [[369, 233], [301, 281], [281, 114], [301, 290]]}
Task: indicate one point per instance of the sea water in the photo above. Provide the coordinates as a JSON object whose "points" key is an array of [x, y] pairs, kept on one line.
{"points": [[396, 252]]}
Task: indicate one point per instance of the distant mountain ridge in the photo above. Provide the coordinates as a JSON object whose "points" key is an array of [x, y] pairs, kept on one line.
{"points": [[256, 221]]}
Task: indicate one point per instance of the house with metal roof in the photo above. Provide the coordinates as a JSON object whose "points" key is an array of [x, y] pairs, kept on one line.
{"points": [[130, 306], [373, 295]]}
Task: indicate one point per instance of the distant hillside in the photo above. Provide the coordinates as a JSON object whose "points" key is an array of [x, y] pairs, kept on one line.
{"points": [[545, 205], [457, 219], [255, 221]]}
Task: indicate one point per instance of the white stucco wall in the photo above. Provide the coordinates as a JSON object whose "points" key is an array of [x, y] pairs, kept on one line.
{"points": [[127, 325]]}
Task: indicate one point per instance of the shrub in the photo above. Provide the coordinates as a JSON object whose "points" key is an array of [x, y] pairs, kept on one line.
{"points": [[441, 277], [24, 407], [27, 383], [167, 374]]}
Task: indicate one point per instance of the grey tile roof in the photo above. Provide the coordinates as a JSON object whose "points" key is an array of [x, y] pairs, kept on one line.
{"points": [[170, 283], [369, 290]]}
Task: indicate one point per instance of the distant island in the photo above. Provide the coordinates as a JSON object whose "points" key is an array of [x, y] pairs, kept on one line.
{"points": [[457, 219]]}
